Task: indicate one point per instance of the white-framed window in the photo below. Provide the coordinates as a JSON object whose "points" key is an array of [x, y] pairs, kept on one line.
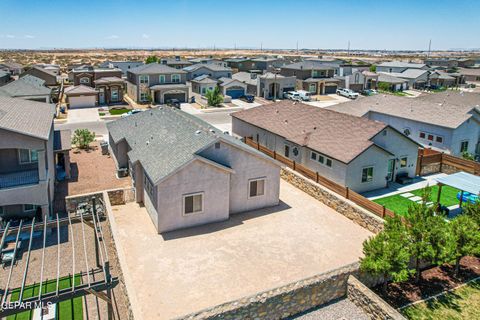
{"points": [[321, 159], [29, 207], [286, 151], [148, 185], [161, 78], [312, 88], [176, 78], [193, 203], [143, 79], [256, 187], [464, 146], [313, 156], [26, 156], [403, 162], [328, 162], [84, 80], [367, 174], [143, 96]]}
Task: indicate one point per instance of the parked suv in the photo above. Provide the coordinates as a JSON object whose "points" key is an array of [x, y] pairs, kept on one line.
{"points": [[292, 95], [347, 93]]}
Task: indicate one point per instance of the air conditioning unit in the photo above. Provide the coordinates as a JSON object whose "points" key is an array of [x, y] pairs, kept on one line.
{"points": [[122, 172]]}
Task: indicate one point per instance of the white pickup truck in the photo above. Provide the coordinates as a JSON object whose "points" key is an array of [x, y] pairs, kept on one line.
{"points": [[347, 93]]}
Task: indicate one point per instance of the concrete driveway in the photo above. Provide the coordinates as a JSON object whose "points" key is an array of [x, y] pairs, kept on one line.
{"points": [[83, 115], [332, 100], [185, 271]]}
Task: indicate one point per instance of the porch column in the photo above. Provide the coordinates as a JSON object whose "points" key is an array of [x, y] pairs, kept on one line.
{"points": [[66, 161], [45, 212], [323, 87], [42, 167]]}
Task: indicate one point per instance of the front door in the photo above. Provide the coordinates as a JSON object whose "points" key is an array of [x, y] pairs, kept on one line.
{"points": [[114, 95], [390, 169], [101, 98]]}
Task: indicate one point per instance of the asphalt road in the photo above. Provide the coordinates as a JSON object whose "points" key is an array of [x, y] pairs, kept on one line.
{"points": [[99, 127]]}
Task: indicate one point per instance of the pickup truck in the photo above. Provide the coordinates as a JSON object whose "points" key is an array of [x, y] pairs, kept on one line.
{"points": [[347, 93]]}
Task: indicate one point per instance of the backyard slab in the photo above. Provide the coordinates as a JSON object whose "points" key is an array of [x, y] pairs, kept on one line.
{"points": [[188, 270], [407, 195]]}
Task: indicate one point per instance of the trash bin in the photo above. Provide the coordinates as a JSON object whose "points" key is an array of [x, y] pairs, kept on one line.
{"points": [[104, 146]]}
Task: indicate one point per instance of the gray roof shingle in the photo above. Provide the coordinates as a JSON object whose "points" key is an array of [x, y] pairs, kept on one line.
{"points": [[155, 68], [26, 86]]}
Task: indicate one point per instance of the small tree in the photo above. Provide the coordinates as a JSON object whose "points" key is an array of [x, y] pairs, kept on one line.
{"points": [[473, 210], [384, 86], [373, 68], [467, 156], [387, 254], [465, 239], [82, 138], [151, 59], [214, 97], [440, 239]]}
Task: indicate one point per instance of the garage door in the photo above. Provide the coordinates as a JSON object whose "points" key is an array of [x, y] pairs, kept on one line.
{"points": [[235, 93], [169, 96], [330, 89], [82, 102]]}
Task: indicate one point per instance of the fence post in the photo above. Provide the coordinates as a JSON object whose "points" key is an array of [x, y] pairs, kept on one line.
{"points": [[441, 162], [258, 146], [294, 166], [316, 178], [274, 154], [384, 211], [347, 193]]}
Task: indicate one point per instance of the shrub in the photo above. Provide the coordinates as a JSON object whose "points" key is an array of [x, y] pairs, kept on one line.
{"points": [[82, 138]]}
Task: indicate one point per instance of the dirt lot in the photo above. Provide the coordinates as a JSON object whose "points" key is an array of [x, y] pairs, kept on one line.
{"points": [[185, 271]]}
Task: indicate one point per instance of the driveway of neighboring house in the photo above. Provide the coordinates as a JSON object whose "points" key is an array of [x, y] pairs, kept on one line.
{"points": [[83, 115], [184, 271], [328, 100]]}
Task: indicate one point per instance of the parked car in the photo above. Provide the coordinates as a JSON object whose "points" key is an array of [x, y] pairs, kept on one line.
{"points": [[347, 93], [248, 98], [129, 113], [292, 95], [369, 92], [174, 103], [305, 95]]}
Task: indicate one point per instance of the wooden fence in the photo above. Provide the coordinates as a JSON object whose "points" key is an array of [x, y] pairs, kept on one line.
{"points": [[351, 195], [429, 157]]}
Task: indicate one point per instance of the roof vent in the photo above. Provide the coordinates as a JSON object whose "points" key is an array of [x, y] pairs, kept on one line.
{"points": [[314, 128], [285, 121], [198, 132], [212, 131], [148, 142], [276, 111]]}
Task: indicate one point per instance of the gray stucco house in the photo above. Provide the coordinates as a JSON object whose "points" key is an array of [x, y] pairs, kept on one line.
{"points": [[157, 82], [214, 71], [355, 152], [27, 87], [447, 121], [27, 165], [189, 173]]}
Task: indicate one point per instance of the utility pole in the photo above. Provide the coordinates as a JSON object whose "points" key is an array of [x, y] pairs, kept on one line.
{"points": [[429, 48], [261, 46], [348, 48], [297, 46]]}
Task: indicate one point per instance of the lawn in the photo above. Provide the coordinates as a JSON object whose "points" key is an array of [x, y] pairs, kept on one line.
{"points": [[400, 205], [69, 309], [463, 303], [115, 112]]}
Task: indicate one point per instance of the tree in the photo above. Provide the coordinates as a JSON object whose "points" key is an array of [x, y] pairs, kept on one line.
{"points": [[373, 68], [82, 138], [151, 59], [383, 86], [440, 239], [465, 239], [473, 210], [387, 253], [214, 97], [467, 156]]}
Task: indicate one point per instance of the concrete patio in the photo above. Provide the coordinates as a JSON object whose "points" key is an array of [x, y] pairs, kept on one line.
{"points": [[181, 272]]}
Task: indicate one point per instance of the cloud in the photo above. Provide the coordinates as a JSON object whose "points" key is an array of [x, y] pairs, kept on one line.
{"points": [[145, 36], [113, 36], [28, 36], [10, 36]]}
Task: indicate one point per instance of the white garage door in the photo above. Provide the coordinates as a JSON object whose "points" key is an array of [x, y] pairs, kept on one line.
{"points": [[82, 102]]}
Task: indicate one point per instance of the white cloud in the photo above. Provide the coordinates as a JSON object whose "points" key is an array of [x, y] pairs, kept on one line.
{"points": [[113, 36], [28, 36], [10, 36], [145, 36]]}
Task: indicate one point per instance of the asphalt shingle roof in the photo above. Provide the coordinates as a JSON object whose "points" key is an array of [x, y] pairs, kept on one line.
{"points": [[212, 67], [401, 64], [26, 117], [339, 136], [155, 68], [310, 65], [26, 86], [80, 89]]}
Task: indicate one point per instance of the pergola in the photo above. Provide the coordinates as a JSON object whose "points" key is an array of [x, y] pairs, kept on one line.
{"points": [[463, 181], [46, 236]]}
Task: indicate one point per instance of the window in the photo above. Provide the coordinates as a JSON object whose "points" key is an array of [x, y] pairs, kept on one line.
{"points": [[367, 174], [430, 137], [217, 145], [439, 139], [28, 156], [175, 78], [287, 151], [85, 80], [313, 156], [403, 162], [148, 185], [256, 188], [143, 96], [295, 151], [28, 207], [321, 159], [329, 162], [422, 135], [464, 146], [143, 79], [161, 78], [193, 203]]}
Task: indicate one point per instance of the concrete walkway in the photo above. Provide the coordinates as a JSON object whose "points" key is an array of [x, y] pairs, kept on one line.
{"points": [[396, 188]]}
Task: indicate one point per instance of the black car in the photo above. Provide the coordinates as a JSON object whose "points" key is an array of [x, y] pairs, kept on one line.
{"points": [[174, 103], [249, 98]]}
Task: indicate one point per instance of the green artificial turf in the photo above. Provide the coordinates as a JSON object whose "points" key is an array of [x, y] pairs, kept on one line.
{"points": [[69, 309], [400, 205], [115, 112]]}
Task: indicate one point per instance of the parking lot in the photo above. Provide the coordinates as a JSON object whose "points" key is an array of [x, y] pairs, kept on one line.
{"points": [[188, 270]]}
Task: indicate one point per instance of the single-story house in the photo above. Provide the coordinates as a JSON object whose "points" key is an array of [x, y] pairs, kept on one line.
{"points": [[393, 83], [446, 121], [13, 68], [81, 96], [188, 173], [442, 79], [416, 78], [358, 80], [28, 88], [470, 74], [232, 88], [356, 152], [202, 84]]}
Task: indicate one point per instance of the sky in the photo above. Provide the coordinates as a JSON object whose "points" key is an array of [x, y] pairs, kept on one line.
{"points": [[276, 24]]}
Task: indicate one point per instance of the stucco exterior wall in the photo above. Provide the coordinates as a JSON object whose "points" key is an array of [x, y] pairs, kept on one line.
{"points": [[373, 157], [468, 131]]}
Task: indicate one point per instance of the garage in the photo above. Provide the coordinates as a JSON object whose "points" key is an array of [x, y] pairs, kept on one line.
{"points": [[235, 92], [330, 89], [81, 97], [179, 96]]}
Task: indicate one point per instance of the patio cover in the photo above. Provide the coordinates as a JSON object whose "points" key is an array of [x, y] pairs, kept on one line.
{"points": [[463, 181]]}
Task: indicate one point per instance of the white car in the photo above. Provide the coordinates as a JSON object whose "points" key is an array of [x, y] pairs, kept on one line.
{"points": [[129, 113], [292, 95], [347, 93], [305, 95]]}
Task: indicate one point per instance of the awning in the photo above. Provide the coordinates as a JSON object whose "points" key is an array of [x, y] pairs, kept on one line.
{"points": [[463, 181]]}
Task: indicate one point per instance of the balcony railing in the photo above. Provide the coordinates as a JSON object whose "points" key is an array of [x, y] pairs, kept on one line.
{"points": [[16, 179]]}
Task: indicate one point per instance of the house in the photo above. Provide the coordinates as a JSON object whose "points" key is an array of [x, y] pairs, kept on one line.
{"points": [[186, 172], [392, 83], [273, 86], [447, 121], [27, 87], [442, 79], [470, 74], [81, 96], [450, 62], [240, 64], [232, 88], [214, 71], [110, 90], [27, 164], [399, 66], [50, 78], [122, 65], [157, 82], [313, 76], [250, 79], [5, 77], [88, 75], [202, 84], [177, 62], [358, 80], [209, 60], [356, 152], [260, 64], [13, 68], [416, 78], [52, 68]]}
